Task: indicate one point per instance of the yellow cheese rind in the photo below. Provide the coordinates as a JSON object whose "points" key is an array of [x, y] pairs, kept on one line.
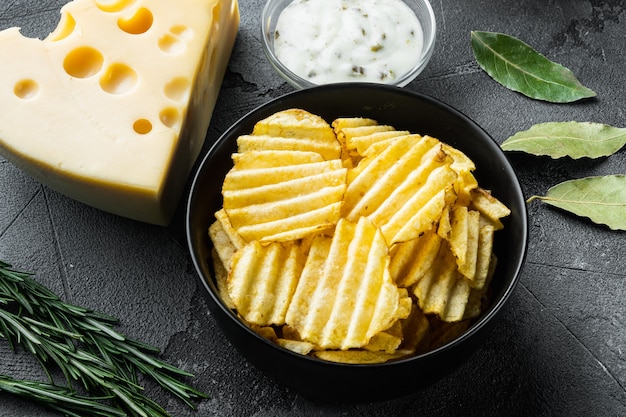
{"points": [[112, 108]]}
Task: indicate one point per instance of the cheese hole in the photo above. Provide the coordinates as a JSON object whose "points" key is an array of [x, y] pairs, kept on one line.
{"points": [[140, 22], [182, 31], [171, 44], [113, 5], [64, 29], [142, 126], [170, 117], [83, 62], [177, 89], [118, 79], [26, 89]]}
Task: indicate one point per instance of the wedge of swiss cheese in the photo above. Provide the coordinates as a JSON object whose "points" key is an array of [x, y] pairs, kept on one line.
{"points": [[112, 108]]}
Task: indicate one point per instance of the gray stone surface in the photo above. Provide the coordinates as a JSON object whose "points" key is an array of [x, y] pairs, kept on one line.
{"points": [[560, 347]]}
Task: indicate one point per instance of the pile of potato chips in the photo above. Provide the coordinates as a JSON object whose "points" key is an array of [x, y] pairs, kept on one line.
{"points": [[353, 242]]}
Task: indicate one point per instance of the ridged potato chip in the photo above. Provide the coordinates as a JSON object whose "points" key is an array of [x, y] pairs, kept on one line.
{"points": [[361, 144], [402, 189], [303, 348], [292, 129], [328, 150], [348, 133], [478, 295], [443, 290], [484, 256], [342, 123], [490, 207], [412, 259], [221, 279], [225, 238], [272, 158], [285, 202], [359, 356], [345, 294], [295, 123], [263, 279]]}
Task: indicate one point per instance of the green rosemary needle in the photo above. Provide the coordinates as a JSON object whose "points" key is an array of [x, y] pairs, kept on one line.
{"points": [[84, 346]]}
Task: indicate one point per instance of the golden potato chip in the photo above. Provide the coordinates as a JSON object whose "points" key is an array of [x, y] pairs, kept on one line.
{"points": [[273, 158], [406, 303], [328, 150], [372, 168], [362, 143], [235, 239], [484, 256], [464, 237], [410, 260], [489, 206], [225, 238], [222, 244], [445, 227], [403, 189], [283, 202], [461, 161], [348, 133], [349, 122], [396, 327], [358, 356], [390, 339], [383, 342], [417, 213], [443, 290], [478, 296], [464, 167], [345, 294], [468, 269], [474, 304], [290, 333], [459, 232], [463, 186], [295, 123], [303, 348], [427, 142], [263, 279], [346, 122], [264, 331], [251, 178], [221, 279]]}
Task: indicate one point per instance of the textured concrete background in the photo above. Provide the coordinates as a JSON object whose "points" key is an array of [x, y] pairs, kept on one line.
{"points": [[560, 347]]}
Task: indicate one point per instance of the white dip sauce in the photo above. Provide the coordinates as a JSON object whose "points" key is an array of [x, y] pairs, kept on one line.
{"points": [[326, 41]]}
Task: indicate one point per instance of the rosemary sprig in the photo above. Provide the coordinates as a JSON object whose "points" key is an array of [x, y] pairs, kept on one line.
{"points": [[84, 346], [59, 398]]}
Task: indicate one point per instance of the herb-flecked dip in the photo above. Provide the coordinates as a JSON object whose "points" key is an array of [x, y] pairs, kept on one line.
{"points": [[327, 41]]}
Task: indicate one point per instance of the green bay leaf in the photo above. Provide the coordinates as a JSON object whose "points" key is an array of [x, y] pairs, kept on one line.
{"points": [[601, 199], [519, 67], [572, 139]]}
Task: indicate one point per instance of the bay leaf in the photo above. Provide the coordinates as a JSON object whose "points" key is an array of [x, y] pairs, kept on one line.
{"points": [[573, 139], [519, 67], [601, 199]]}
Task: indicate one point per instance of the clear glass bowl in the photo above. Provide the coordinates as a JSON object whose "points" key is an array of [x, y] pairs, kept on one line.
{"points": [[422, 9]]}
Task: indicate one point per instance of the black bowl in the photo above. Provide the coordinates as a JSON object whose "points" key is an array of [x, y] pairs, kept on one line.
{"points": [[403, 110]]}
